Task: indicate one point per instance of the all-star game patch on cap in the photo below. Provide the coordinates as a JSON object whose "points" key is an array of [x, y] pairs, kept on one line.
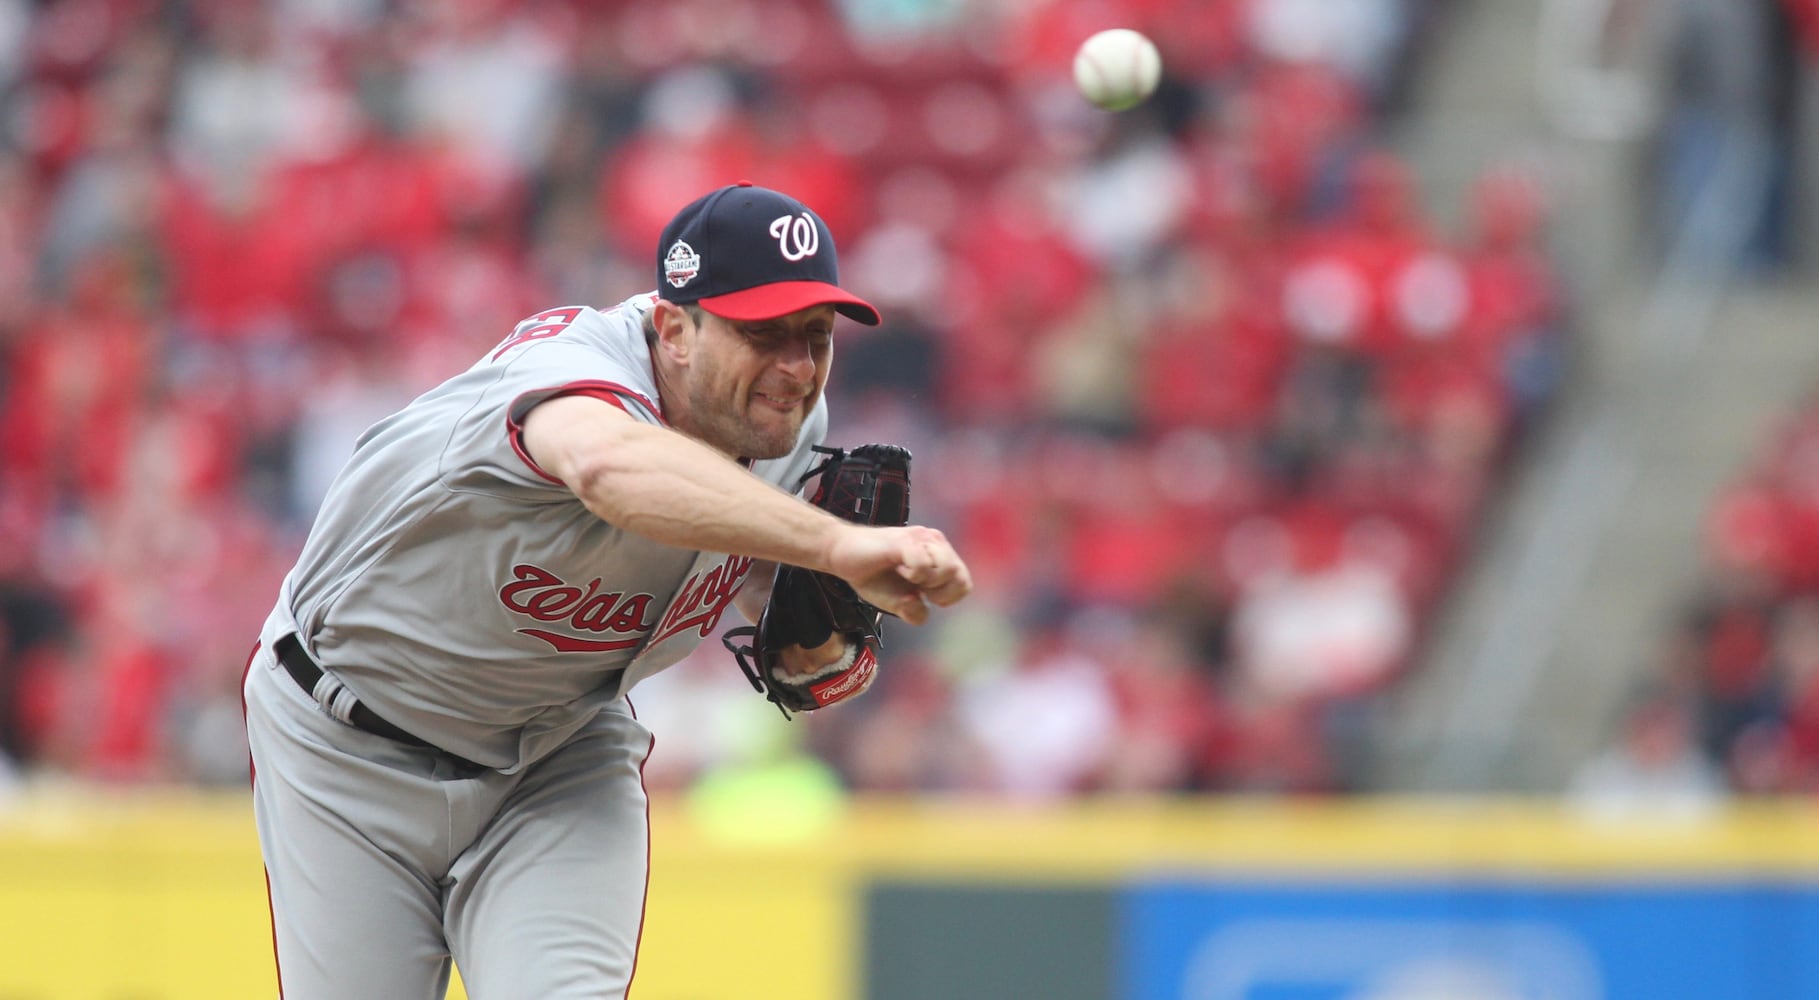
{"points": [[749, 253]]}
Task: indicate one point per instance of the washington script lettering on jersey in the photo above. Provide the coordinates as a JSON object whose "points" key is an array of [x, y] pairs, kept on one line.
{"points": [[540, 594], [701, 604], [546, 597]]}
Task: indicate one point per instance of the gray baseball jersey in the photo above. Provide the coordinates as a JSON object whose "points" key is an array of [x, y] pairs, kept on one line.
{"points": [[469, 598]]}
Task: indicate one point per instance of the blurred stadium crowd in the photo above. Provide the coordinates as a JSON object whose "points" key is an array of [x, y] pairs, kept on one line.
{"points": [[1209, 401], [1733, 701]]}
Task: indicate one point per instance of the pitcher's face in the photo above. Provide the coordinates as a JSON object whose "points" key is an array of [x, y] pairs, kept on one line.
{"points": [[752, 383]]}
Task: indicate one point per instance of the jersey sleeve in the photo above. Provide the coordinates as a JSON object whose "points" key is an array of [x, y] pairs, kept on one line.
{"points": [[639, 407]]}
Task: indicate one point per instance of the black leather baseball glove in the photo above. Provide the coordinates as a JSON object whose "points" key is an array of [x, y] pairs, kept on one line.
{"points": [[868, 485]]}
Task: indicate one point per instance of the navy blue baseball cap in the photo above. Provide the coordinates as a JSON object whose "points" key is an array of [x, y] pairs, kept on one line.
{"points": [[749, 253]]}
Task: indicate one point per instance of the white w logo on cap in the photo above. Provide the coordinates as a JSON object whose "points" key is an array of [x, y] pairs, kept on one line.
{"points": [[797, 236]]}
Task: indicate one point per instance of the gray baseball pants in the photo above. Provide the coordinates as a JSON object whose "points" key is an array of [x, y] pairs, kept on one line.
{"points": [[384, 862]]}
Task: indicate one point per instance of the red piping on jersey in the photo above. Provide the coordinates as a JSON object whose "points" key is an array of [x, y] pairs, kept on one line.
{"points": [[643, 904], [244, 674], [252, 778], [609, 392]]}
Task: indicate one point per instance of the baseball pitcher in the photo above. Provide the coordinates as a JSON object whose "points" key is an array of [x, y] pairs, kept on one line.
{"points": [[445, 763]]}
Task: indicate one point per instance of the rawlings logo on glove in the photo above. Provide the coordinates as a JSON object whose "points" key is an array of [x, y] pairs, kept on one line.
{"points": [[868, 485]]}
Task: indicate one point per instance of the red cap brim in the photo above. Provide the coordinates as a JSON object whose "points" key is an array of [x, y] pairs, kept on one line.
{"points": [[780, 298]]}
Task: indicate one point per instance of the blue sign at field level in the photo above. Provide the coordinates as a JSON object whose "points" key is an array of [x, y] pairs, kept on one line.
{"points": [[1480, 940]]}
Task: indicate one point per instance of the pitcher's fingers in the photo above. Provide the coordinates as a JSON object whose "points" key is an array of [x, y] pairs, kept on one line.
{"points": [[921, 554], [932, 553], [922, 574], [944, 584], [952, 590]]}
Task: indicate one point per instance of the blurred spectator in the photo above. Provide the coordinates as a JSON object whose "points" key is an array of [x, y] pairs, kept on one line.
{"points": [[35, 639], [1517, 308], [1654, 770], [694, 138], [1320, 621], [15, 24], [486, 77], [1726, 133], [1360, 38], [1171, 713], [1044, 722], [1746, 648]]}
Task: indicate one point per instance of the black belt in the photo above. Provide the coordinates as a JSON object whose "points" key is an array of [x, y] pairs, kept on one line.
{"points": [[304, 671]]}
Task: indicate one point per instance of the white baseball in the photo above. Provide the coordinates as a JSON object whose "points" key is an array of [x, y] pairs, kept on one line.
{"points": [[1117, 68]]}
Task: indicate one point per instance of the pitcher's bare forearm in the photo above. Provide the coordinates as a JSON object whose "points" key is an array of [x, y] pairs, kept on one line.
{"points": [[670, 488], [673, 489]]}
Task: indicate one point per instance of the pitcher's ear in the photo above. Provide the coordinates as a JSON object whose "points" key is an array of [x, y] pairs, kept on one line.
{"points": [[672, 330]]}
